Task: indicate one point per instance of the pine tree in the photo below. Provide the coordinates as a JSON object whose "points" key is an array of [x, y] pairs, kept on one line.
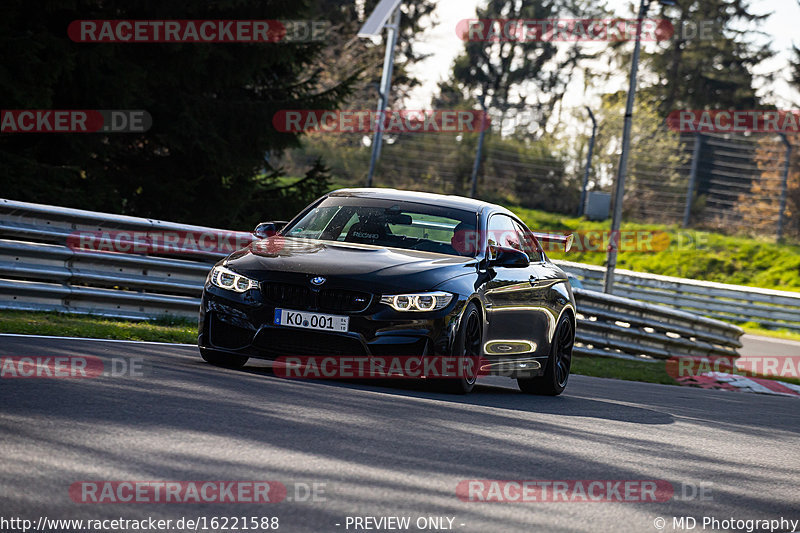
{"points": [[203, 160], [346, 53], [521, 80], [708, 63]]}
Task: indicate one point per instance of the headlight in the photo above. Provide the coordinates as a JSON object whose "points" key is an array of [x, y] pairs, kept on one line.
{"points": [[229, 280], [419, 302]]}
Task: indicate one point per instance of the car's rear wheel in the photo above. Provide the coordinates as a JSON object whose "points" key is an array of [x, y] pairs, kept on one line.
{"points": [[467, 349], [554, 380], [226, 360]]}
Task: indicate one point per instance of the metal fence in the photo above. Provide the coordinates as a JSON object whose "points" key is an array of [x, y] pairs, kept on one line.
{"points": [[42, 269], [724, 182], [731, 303]]}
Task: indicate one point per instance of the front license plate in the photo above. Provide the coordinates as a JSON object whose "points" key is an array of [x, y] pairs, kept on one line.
{"points": [[308, 320]]}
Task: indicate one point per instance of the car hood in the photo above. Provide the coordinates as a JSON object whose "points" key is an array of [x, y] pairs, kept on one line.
{"points": [[283, 258]]}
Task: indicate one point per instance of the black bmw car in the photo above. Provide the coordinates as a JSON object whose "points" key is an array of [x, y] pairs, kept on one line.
{"points": [[379, 273]]}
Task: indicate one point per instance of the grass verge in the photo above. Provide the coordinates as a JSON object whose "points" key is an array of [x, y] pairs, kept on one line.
{"points": [[602, 367], [701, 255], [96, 327], [754, 329]]}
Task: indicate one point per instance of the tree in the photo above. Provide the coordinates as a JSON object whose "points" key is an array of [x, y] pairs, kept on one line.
{"points": [[203, 160], [758, 208], [655, 184], [708, 64], [346, 53], [795, 66], [520, 79]]}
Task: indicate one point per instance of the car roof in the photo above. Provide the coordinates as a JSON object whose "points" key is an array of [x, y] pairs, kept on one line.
{"points": [[445, 200]]}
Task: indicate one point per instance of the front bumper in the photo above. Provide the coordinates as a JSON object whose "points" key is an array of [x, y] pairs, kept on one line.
{"points": [[243, 325]]}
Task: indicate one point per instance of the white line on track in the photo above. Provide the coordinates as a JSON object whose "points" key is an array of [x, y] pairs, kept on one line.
{"points": [[91, 339]]}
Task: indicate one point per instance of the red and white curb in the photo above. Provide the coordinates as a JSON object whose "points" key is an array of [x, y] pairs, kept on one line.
{"points": [[733, 382]]}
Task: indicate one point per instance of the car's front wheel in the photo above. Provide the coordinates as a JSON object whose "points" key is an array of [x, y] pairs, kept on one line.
{"points": [[223, 359], [554, 380], [467, 349]]}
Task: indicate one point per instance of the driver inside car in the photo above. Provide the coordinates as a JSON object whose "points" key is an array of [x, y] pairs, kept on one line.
{"points": [[465, 239]]}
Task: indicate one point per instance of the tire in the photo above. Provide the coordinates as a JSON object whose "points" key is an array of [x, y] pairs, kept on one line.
{"points": [[468, 347], [223, 359], [555, 377]]}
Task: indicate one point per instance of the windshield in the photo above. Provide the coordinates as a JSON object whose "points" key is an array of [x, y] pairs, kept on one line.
{"points": [[389, 223]]}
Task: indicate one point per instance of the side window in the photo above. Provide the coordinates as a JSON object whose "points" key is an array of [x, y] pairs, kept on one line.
{"points": [[503, 232], [529, 243]]}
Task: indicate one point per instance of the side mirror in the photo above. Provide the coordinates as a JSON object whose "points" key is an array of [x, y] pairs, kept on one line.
{"points": [[268, 229], [508, 258], [554, 238]]}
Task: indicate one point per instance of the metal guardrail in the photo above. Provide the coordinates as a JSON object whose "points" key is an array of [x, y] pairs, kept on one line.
{"points": [[731, 303], [40, 271], [612, 326]]}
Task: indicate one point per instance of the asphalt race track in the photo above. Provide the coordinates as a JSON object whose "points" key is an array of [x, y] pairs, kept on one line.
{"points": [[385, 449], [758, 346]]}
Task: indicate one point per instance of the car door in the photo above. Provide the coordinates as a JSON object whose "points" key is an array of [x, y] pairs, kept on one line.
{"points": [[545, 273], [537, 273], [509, 294], [545, 301]]}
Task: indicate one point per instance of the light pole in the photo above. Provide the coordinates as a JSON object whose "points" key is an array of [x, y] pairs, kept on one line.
{"points": [[582, 206], [479, 152], [385, 16], [622, 169]]}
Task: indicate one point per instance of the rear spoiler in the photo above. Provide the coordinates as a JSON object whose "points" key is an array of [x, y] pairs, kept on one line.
{"points": [[554, 241]]}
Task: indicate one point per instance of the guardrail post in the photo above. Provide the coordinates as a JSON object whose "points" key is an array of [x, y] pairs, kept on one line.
{"points": [[784, 181], [698, 144]]}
